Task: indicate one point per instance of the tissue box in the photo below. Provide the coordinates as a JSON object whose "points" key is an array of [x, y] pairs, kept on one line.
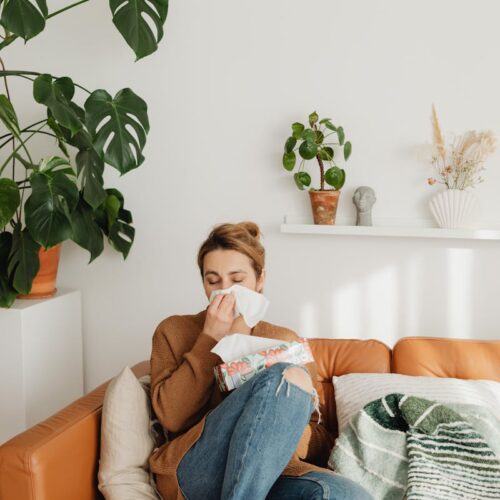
{"points": [[231, 375]]}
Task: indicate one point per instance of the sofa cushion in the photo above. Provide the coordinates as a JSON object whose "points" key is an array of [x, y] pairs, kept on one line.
{"points": [[355, 390], [126, 440], [338, 357], [440, 357]]}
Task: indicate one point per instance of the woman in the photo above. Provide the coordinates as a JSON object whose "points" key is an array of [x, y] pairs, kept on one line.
{"points": [[257, 441]]}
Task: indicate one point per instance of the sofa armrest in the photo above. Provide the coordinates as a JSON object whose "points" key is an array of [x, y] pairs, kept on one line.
{"points": [[58, 458]]}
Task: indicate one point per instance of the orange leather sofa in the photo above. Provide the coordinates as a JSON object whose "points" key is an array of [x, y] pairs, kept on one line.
{"points": [[58, 458]]}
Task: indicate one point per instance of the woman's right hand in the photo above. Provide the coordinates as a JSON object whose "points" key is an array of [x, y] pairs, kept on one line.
{"points": [[219, 316]]}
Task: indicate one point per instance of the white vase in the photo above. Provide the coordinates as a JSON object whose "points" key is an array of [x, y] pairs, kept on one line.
{"points": [[454, 208]]}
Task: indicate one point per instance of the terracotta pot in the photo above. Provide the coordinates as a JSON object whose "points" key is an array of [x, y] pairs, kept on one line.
{"points": [[324, 205], [44, 283]]}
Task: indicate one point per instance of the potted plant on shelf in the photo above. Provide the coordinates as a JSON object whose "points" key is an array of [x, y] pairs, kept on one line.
{"points": [[310, 143], [459, 168], [46, 201]]}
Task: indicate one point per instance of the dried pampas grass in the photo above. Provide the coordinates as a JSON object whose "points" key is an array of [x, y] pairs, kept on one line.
{"points": [[459, 165]]}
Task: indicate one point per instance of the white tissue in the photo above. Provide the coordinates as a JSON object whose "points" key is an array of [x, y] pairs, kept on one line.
{"points": [[237, 345], [250, 304]]}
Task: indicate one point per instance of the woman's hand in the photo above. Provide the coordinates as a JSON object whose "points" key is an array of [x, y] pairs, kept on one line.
{"points": [[220, 314]]}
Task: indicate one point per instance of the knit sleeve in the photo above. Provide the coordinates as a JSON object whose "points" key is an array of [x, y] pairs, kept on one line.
{"points": [[181, 383]]}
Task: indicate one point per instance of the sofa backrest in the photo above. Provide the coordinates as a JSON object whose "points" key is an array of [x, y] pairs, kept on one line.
{"points": [[339, 357], [441, 357]]}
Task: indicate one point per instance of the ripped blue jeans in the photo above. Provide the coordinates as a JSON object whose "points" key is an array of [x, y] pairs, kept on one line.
{"points": [[249, 439]]}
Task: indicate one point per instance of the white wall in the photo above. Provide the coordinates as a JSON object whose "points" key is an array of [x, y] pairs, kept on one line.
{"points": [[229, 79]]}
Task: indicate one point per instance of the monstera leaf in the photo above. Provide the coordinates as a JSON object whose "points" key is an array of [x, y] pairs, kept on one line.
{"points": [[90, 168], [23, 260], [22, 18], [131, 19], [9, 200], [56, 94], [115, 222], [8, 116], [107, 119], [48, 209], [86, 232], [7, 292]]}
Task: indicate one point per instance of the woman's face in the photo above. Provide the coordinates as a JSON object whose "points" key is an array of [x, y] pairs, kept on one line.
{"points": [[224, 268]]}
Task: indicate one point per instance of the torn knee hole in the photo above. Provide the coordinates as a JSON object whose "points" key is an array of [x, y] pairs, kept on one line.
{"points": [[299, 377]]}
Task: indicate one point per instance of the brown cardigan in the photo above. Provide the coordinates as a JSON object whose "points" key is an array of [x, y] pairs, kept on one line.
{"points": [[183, 391]]}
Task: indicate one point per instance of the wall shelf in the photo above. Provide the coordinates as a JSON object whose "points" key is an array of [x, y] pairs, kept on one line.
{"points": [[386, 227]]}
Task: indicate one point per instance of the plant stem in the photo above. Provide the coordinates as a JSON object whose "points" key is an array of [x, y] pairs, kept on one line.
{"points": [[322, 172], [22, 74], [19, 147], [66, 8]]}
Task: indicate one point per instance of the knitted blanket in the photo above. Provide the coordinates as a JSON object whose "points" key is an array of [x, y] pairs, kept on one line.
{"points": [[407, 447]]}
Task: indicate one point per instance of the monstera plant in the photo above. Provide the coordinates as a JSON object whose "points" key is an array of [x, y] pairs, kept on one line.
{"points": [[46, 201]]}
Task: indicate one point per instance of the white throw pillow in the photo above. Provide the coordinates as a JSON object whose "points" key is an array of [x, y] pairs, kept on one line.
{"points": [[126, 440], [355, 390]]}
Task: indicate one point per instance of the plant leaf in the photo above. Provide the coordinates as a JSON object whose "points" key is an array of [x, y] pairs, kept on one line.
{"points": [[290, 144], [329, 125], [131, 19], [341, 135], [326, 153], [7, 292], [289, 160], [302, 179], [54, 164], [297, 129], [115, 222], [347, 150], [10, 199], [319, 137], [335, 176], [23, 260], [22, 18], [90, 168], [8, 116], [86, 232], [309, 135], [56, 95], [313, 118], [49, 206], [324, 120], [126, 109], [308, 150]]}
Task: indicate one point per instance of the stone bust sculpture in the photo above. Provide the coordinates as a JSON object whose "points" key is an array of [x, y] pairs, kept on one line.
{"points": [[364, 198]]}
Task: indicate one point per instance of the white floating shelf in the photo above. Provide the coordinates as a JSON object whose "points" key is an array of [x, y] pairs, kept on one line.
{"points": [[391, 227]]}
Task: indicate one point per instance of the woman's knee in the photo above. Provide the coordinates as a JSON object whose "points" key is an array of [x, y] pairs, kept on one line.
{"points": [[293, 373]]}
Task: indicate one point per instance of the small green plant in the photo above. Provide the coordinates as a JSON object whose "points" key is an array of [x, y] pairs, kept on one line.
{"points": [[313, 143]]}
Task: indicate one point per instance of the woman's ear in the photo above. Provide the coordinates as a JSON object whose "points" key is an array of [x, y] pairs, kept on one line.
{"points": [[261, 280]]}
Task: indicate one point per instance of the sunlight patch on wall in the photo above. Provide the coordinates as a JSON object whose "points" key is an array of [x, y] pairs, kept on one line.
{"points": [[346, 312], [460, 269]]}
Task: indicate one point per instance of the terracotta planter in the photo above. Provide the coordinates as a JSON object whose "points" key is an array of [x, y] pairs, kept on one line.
{"points": [[44, 283], [324, 205]]}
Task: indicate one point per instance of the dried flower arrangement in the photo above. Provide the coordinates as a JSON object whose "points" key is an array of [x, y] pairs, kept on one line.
{"points": [[459, 165]]}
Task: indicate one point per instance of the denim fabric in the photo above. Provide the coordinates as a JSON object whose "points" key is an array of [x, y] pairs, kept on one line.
{"points": [[249, 439]]}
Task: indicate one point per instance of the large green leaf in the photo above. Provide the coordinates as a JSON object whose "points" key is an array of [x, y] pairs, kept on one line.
{"points": [[86, 232], [9, 200], [289, 160], [8, 116], [308, 150], [90, 168], [335, 176], [131, 18], [297, 129], [56, 94], [121, 148], [302, 180], [290, 144], [48, 209], [115, 222], [22, 18], [347, 150], [23, 261], [7, 292]]}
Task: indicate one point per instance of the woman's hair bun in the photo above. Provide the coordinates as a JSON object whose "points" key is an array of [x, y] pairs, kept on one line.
{"points": [[251, 227]]}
